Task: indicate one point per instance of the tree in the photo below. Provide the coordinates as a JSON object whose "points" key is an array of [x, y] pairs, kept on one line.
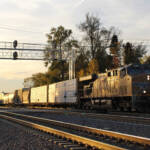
{"points": [[81, 64], [133, 53], [28, 83], [91, 26], [145, 60], [58, 38], [98, 39], [93, 66], [82, 73], [39, 79]]}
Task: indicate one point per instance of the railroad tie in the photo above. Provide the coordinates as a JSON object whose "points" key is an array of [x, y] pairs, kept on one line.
{"points": [[64, 143], [77, 148], [58, 141], [71, 146], [52, 139]]}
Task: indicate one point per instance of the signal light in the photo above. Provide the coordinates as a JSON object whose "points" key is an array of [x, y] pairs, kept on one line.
{"points": [[148, 77], [15, 43], [114, 39], [15, 55]]}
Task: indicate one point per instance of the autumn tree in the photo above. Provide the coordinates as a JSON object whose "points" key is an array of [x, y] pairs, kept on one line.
{"points": [[145, 60], [81, 63], [93, 67]]}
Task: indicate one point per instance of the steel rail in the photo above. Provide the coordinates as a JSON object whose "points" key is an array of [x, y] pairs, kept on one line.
{"points": [[122, 118], [117, 135], [79, 139]]}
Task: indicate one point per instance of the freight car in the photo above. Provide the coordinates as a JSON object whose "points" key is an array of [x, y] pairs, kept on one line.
{"points": [[124, 88], [22, 96], [8, 98], [57, 94]]}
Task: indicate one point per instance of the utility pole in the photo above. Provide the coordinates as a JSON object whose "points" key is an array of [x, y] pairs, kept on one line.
{"points": [[72, 64]]}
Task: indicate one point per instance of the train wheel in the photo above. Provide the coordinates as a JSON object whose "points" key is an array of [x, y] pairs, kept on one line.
{"points": [[129, 109], [118, 109], [140, 109]]}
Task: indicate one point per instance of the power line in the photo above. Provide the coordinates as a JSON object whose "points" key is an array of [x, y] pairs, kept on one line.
{"points": [[13, 29]]}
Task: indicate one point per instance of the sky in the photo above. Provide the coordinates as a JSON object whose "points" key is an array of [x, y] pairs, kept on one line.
{"points": [[28, 21]]}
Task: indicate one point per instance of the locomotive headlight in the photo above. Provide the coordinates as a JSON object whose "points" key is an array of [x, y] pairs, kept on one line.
{"points": [[148, 77], [144, 91]]}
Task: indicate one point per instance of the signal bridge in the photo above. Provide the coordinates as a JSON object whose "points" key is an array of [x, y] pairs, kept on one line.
{"points": [[25, 51], [30, 51]]}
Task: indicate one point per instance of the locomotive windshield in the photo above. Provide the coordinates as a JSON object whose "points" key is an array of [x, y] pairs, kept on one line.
{"points": [[138, 69]]}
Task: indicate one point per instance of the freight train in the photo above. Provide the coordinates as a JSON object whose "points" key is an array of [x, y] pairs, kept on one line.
{"points": [[123, 88]]}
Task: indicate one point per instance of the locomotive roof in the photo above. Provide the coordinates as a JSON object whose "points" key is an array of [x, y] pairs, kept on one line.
{"points": [[134, 68], [89, 77], [131, 65], [120, 68]]}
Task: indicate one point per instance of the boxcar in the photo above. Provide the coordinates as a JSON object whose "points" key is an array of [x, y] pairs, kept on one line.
{"points": [[63, 92], [39, 95]]}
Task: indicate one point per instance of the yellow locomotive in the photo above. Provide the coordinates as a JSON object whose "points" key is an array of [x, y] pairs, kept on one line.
{"points": [[124, 88]]}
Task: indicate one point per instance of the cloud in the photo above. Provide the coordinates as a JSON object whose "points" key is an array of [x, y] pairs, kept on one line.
{"points": [[80, 2]]}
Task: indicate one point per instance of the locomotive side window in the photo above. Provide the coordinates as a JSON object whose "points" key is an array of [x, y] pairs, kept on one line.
{"points": [[109, 74], [116, 72], [123, 72]]}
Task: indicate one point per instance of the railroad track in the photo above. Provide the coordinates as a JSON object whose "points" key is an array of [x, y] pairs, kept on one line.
{"points": [[84, 137], [130, 118], [127, 117], [114, 117], [121, 118]]}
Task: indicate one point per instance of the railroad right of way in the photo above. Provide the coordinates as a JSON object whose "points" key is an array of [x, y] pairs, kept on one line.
{"points": [[116, 139], [125, 124]]}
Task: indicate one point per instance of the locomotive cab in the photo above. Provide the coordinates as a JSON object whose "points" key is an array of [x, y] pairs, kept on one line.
{"points": [[140, 86]]}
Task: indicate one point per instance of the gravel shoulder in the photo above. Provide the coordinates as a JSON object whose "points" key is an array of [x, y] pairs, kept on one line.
{"points": [[17, 137]]}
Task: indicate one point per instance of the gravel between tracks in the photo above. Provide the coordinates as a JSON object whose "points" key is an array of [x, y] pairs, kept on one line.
{"points": [[123, 127], [16, 137]]}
